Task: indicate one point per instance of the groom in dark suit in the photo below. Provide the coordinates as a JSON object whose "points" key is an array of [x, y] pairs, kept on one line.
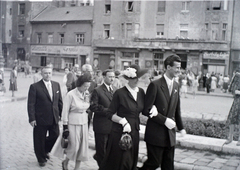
{"points": [[162, 105], [44, 111], [100, 101]]}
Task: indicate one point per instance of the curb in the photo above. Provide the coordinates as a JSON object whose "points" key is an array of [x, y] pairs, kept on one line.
{"points": [[202, 143]]}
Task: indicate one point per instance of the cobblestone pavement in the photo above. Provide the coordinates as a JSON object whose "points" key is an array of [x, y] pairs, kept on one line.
{"points": [[16, 148], [190, 159]]}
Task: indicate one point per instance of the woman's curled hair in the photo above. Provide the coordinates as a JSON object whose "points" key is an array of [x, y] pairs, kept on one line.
{"points": [[86, 77]]}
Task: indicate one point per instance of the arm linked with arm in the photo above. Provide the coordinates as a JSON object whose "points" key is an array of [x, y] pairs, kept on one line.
{"points": [[149, 102]]}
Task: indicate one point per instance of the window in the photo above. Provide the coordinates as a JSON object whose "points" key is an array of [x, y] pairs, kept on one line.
{"points": [[21, 31], [10, 33], [215, 33], [185, 6], [80, 38], [158, 61], [208, 5], [183, 30], [106, 31], [206, 31], [224, 31], [160, 30], [50, 38], [137, 28], [107, 6], [39, 38], [123, 30], [129, 30], [216, 5], [10, 11], [161, 6], [21, 9], [61, 37], [130, 6]]}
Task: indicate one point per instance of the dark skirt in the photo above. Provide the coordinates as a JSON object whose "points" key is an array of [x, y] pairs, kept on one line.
{"points": [[118, 159], [234, 113], [13, 86]]}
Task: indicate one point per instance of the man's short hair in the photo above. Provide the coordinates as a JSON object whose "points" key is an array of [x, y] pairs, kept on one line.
{"points": [[106, 71], [87, 67], [171, 59], [46, 67]]}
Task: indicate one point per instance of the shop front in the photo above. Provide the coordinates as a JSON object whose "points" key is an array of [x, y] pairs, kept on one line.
{"points": [[215, 62], [59, 56]]}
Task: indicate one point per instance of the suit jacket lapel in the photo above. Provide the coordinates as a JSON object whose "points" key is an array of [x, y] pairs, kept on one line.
{"points": [[54, 90], [165, 89], [107, 93], [173, 100]]}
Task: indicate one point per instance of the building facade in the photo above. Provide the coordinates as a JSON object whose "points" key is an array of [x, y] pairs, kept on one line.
{"points": [[62, 36], [145, 32]]}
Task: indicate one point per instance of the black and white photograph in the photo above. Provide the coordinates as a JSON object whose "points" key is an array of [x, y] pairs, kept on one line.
{"points": [[120, 84]]}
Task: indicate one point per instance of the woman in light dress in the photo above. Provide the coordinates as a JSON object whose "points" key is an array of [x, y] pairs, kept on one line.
{"points": [[213, 83], [75, 119], [184, 87], [13, 80]]}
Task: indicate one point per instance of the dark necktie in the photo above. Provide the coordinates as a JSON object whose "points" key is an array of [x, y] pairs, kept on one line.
{"points": [[110, 90]]}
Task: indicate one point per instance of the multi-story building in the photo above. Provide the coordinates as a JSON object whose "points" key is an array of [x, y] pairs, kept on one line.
{"points": [[62, 35], [145, 32], [235, 38]]}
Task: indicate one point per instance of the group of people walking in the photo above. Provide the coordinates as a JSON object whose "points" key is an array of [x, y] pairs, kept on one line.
{"points": [[115, 112]]}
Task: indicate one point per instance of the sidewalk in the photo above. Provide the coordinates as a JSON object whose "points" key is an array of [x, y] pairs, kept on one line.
{"points": [[189, 141]]}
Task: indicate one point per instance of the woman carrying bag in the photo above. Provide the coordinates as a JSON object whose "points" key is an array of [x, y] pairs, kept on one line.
{"points": [[75, 125]]}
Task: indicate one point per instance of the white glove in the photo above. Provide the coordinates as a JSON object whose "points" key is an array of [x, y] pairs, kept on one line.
{"points": [[183, 132], [153, 111], [170, 123], [125, 124]]}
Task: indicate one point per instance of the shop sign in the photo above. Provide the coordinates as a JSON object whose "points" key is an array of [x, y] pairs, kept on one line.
{"points": [[215, 55], [60, 49]]}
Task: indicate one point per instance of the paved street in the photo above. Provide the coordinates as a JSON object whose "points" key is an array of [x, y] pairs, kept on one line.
{"points": [[16, 143]]}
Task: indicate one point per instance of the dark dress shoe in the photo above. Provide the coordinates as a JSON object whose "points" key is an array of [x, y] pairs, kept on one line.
{"points": [[41, 164]]}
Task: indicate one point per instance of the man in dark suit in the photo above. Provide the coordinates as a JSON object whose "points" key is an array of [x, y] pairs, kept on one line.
{"points": [[162, 105], [100, 101], [44, 111]]}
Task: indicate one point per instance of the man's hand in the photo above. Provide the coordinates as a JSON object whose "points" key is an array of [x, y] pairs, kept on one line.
{"points": [[183, 132], [125, 124], [153, 111], [170, 123], [33, 123]]}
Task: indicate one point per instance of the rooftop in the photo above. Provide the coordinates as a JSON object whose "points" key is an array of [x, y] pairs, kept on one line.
{"points": [[82, 13]]}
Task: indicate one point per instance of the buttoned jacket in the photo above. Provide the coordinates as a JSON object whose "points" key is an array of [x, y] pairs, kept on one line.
{"points": [[41, 107], [168, 107]]}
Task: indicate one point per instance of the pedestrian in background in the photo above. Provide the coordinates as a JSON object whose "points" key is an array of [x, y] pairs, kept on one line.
{"points": [[72, 77], [98, 78], [117, 81], [13, 80], [208, 82], [225, 83], [100, 101], [75, 119], [234, 113], [162, 106], [124, 110], [213, 82], [195, 85], [184, 86], [64, 80], [37, 76], [44, 112]]}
